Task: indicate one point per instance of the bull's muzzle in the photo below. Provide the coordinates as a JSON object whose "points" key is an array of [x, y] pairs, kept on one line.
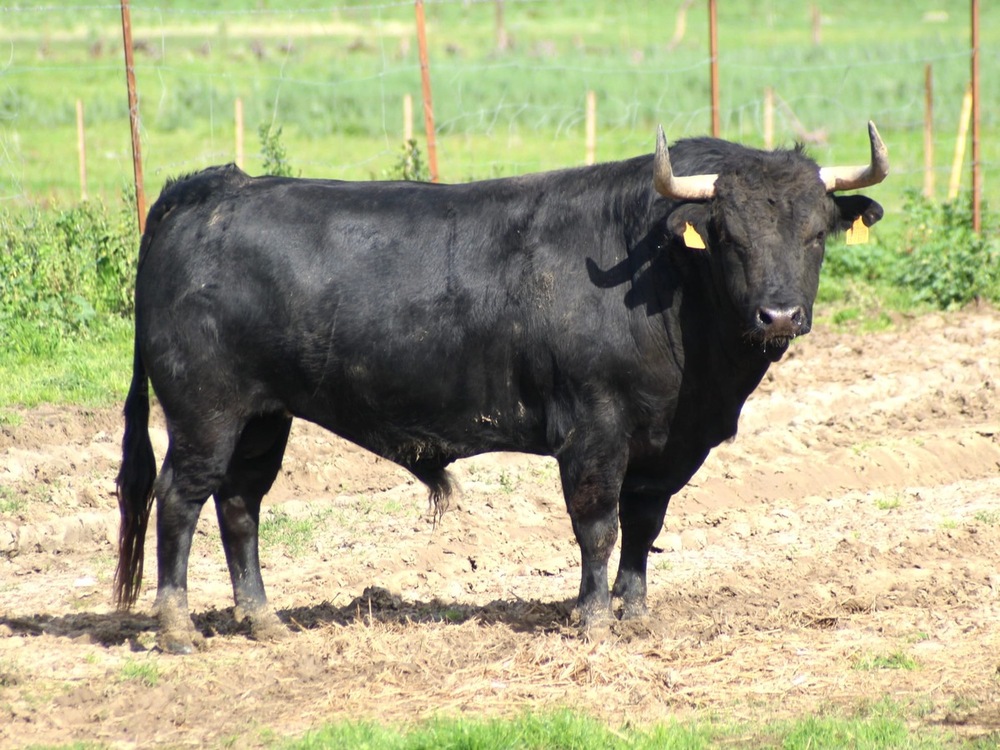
{"points": [[776, 326]]}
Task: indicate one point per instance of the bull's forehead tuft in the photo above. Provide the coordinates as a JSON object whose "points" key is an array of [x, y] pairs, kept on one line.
{"points": [[771, 182]]}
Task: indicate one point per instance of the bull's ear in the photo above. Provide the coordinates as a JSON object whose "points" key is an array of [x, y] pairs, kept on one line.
{"points": [[688, 224], [850, 208]]}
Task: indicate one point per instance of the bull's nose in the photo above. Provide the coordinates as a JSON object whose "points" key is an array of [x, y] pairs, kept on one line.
{"points": [[786, 322]]}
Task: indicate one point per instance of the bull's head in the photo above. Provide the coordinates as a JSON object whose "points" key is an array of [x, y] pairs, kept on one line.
{"points": [[765, 218]]}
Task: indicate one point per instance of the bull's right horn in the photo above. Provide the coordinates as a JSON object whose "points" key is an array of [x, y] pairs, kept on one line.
{"points": [[852, 178], [699, 187]]}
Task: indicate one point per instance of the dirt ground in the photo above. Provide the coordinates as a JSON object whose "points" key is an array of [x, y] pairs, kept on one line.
{"points": [[844, 550]]}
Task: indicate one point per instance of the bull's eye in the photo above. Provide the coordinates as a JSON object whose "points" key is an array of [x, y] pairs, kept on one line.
{"points": [[819, 239]]}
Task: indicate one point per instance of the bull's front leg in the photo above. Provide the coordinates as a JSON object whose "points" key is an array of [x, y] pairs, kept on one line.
{"points": [[591, 481], [641, 510]]}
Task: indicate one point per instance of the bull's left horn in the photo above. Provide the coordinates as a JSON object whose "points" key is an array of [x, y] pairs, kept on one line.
{"points": [[699, 187], [852, 178]]}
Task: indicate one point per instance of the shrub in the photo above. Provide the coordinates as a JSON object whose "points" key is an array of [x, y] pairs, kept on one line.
{"points": [[937, 259], [273, 152], [60, 269], [943, 261], [409, 165]]}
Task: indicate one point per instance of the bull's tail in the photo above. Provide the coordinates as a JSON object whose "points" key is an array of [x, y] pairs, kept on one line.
{"points": [[135, 487]]}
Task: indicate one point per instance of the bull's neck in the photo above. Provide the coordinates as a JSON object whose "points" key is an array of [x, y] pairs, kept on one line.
{"points": [[710, 326]]}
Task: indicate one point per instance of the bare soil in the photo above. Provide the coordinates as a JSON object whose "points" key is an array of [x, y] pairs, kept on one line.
{"points": [[845, 549]]}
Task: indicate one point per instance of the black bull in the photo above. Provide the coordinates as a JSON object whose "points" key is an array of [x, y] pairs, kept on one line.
{"points": [[567, 314]]}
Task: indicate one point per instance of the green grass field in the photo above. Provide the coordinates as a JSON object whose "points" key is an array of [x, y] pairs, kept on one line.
{"points": [[335, 79]]}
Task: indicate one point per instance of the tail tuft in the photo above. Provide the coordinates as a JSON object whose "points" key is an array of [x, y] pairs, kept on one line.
{"points": [[134, 488]]}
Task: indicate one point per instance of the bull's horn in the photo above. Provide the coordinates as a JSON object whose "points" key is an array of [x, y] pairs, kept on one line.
{"points": [[852, 178], [698, 187]]}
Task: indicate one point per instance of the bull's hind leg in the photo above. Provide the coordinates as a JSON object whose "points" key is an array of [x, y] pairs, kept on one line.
{"points": [[252, 470], [191, 473]]}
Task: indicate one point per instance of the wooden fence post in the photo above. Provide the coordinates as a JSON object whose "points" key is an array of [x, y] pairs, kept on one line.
{"points": [[591, 128], [133, 116], [81, 149], [425, 82], [713, 44], [963, 130], [977, 171], [769, 118], [238, 116], [407, 118], [928, 132]]}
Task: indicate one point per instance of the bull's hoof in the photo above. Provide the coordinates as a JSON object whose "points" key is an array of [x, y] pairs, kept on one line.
{"points": [[180, 641], [634, 610], [267, 627], [595, 624], [177, 633]]}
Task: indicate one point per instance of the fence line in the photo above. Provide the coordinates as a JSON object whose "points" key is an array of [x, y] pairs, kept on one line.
{"points": [[353, 106]]}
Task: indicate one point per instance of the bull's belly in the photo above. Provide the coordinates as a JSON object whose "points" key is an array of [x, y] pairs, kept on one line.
{"points": [[411, 433]]}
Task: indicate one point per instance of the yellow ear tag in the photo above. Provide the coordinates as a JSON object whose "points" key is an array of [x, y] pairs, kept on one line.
{"points": [[857, 234], [692, 239]]}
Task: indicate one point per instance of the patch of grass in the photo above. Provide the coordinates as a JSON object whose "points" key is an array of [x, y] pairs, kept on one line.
{"points": [[366, 505], [853, 303], [10, 419], [9, 674], [11, 503], [988, 517], [859, 449], [15, 499], [90, 368], [893, 660], [507, 482], [879, 726], [962, 703], [819, 732], [279, 530], [888, 503], [144, 672], [556, 730]]}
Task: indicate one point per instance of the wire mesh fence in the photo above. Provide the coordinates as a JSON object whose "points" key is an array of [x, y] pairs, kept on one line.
{"points": [[511, 80]]}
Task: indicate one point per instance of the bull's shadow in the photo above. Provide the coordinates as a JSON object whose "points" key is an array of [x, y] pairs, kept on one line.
{"points": [[374, 605], [645, 273]]}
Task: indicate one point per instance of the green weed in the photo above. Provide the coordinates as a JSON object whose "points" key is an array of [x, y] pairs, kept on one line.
{"points": [[409, 166], [894, 660], [507, 482], [274, 155], [144, 672], [888, 503], [11, 503], [10, 674]]}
